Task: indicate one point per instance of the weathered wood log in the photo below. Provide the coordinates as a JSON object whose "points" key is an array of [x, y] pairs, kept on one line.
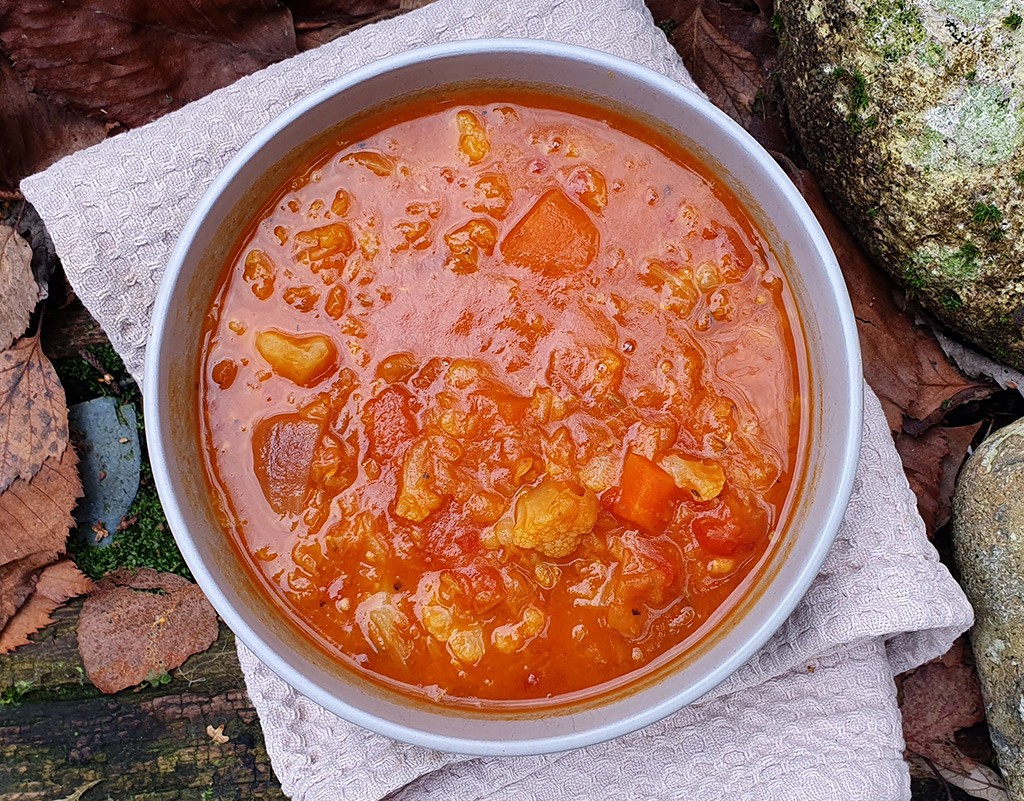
{"points": [[58, 733]]}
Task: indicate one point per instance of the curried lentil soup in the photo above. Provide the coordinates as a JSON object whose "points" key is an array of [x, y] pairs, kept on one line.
{"points": [[501, 396]]}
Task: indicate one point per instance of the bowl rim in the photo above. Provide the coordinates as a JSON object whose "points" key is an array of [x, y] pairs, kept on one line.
{"points": [[163, 463]]}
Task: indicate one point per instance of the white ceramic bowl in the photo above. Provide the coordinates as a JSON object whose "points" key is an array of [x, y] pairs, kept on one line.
{"points": [[834, 395]]}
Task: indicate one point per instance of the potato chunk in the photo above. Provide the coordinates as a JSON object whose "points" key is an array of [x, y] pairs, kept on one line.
{"points": [[283, 448], [493, 195], [467, 242], [304, 360], [555, 237], [473, 142], [327, 241], [260, 273], [704, 481], [552, 517]]}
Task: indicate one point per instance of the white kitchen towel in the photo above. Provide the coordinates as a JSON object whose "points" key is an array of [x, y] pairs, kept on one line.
{"points": [[812, 717]]}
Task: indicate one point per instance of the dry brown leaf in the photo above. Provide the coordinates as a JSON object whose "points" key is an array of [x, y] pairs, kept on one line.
{"points": [[133, 60], [743, 28], [34, 132], [18, 290], [137, 624], [932, 461], [979, 781], [729, 74], [938, 699], [217, 734], [347, 12], [33, 412], [903, 364], [35, 515], [55, 585], [18, 580]]}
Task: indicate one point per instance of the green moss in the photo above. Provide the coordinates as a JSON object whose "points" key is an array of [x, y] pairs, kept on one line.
{"points": [[858, 91], [83, 381], [15, 694], [147, 542], [778, 24], [914, 277], [961, 263], [667, 26], [996, 235], [986, 213], [950, 300], [933, 54], [1013, 21], [894, 28], [157, 679]]}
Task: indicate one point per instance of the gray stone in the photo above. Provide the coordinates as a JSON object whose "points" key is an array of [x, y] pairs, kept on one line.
{"points": [[108, 437], [988, 541], [911, 115]]}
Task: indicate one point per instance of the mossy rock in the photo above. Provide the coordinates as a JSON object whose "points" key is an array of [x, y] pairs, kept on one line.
{"points": [[911, 114]]}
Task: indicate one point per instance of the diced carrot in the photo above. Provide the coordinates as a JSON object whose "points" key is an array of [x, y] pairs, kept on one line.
{"points": [[647, 494], [555, 237]]}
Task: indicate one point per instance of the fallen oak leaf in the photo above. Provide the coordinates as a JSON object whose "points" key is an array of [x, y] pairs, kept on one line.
{"points": [[217, 734], [33, 411], [132, 60], [17, 286], [34, 132], [56, 584], [136, 624], [35, 515]]}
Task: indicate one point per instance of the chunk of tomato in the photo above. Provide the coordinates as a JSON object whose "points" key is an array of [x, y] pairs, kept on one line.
{"points": [[731, 527], [647, 494], [389, 422]]}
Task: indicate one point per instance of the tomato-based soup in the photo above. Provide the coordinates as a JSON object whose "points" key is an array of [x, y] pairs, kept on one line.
{"points": [[501, 397]]}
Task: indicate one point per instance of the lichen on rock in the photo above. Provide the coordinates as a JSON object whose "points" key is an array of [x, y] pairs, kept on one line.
{"points": [[911, 114], [988, 542]]}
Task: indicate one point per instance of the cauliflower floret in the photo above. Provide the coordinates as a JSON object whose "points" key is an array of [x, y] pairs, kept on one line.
{"points": [[704, 481], [552, 517]]}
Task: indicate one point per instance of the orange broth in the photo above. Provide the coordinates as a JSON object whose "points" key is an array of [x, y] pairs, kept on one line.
{"points": [[501, 396]]}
